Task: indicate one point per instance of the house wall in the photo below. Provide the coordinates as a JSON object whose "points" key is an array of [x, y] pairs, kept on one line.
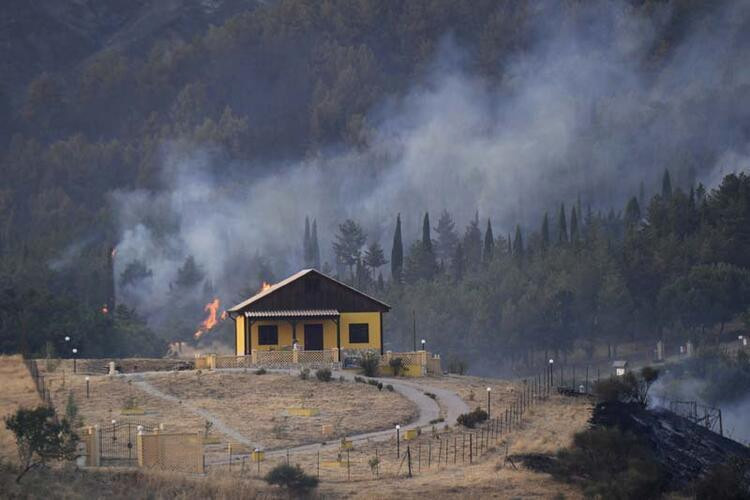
{"points": [[329, 332], [372, 319], [239, 335]]}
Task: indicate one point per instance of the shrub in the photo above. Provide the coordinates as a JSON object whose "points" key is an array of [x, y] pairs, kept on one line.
{"points": [[71, 408], [397, 365], [380, 386], [369, 363], [359, 379], [727, 480], [373, 382], [456, 365], [430, 395], [628, 388], [342, 378], [437, 420], [260, 371], [304, 374], [472, 418], [324, 375], [41, 437], [389, 387], [611, 464], [292, 478]]}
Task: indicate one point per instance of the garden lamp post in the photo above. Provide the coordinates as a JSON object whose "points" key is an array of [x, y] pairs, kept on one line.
{"points": [[75, 351], [551, 374], [489, 390], [87, 386], [423, 344], [398, 440]]}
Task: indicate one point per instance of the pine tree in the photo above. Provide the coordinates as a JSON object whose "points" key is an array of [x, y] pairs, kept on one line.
{"points": [[315, 248], [472, 243], [374, 257], [397, 252], [574, 236], [457, 262], [489, 243], [666, 185], [518, 244], [562, 227], [642, 194], [189, 274], [348, 244], [447, 238], [545, 233], [306, 244]]}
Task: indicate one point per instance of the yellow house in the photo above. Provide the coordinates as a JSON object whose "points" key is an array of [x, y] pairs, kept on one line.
{"points": [[311, 310]]}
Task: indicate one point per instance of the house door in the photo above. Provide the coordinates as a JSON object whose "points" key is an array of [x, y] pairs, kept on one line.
{"points": [[313, 337]]}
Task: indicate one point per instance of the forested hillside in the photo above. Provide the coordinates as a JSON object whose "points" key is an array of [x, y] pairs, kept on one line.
{"points": [[155, 157]]}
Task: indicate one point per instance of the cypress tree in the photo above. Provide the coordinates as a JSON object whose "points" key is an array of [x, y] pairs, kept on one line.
{"points": [[632, 212], [306, 245], [518, 243], [397, 252], [545, 233], [426, 237], [666, 185], [562, 227], [574, 236], [489, 243], [315, 248]]}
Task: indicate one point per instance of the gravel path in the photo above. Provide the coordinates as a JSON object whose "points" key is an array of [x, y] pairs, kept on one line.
{"points": [[414, 391]]}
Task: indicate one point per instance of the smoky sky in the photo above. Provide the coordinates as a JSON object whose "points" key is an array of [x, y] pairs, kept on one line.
{"points": [[591, 107]]}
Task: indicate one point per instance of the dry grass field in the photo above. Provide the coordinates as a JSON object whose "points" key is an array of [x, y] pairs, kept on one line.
{"points": [[18, 390], [473, 390], [256, 405]]}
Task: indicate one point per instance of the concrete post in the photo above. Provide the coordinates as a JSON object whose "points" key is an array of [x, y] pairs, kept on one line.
{"points": [[689, 348], [295, 356], [95, 455], [112, 370], [660, 351], [335, 354], [254, 356]]}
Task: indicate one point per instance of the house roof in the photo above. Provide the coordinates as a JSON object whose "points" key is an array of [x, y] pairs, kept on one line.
{"points": [[291, 279], [293, 313]]}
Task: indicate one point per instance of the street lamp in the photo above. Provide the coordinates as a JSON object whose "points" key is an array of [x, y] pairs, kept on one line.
{"points": [[398, 440], [489, 390], [423, 344], [75, 351], [87, 386]]}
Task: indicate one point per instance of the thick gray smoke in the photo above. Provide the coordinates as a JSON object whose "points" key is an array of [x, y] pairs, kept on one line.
{"points": [[581, 112]]}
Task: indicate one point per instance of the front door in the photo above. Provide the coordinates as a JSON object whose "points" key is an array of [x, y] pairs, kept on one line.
{"points": [[313, 337]]}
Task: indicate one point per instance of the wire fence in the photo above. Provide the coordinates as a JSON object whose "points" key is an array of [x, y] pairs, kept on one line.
{"points": [[406, 453]]}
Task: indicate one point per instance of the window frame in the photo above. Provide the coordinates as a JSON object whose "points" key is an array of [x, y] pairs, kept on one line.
{"points": [[366, 333], [265, 329]]}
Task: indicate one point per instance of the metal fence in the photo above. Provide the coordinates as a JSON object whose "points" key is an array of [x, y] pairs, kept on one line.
{"points": [[117, 442], [706, 416]]}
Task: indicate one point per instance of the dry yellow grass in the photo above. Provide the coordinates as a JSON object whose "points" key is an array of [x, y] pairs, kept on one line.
{"points": [[18, 390], [256, 405], [473, 390]]}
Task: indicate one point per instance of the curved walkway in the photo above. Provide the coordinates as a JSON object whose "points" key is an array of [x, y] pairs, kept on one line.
{"points": [[414, 391]]}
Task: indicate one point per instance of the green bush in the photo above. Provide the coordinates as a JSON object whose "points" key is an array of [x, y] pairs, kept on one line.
{"points": [[324, 375], [369, 363], [430, 395], [472, 418], [40, 437], [397, 365], [260, 371], [292, 478], [304, 374], [389, 387], [359, 379]]}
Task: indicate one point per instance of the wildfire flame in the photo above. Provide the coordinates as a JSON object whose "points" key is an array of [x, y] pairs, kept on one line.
{"points": [[212, 308], [265, 286]]}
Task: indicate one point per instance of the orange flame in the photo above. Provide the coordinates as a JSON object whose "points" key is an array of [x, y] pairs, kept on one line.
{"points": [[265, 286], [212, 308]]}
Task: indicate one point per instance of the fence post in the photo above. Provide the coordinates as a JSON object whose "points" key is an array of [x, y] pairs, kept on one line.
{"points": [[429, 454], [408, 457], [471, 447], [455, 439], [419, 457], [95, 449], [254, 356]]}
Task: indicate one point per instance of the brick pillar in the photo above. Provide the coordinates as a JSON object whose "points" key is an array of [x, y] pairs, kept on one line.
{"points": [[95, 455]]}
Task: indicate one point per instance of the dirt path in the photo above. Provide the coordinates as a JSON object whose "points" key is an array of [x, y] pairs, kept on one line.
{"points": [[428, 408]]}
